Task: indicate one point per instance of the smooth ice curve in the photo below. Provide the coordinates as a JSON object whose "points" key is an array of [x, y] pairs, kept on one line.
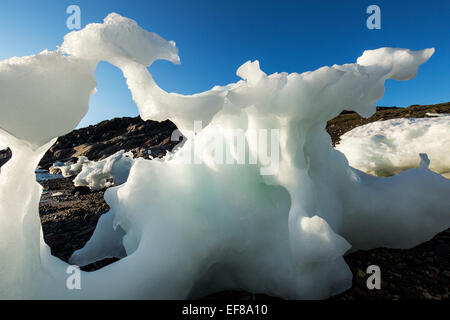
{"points": [[186, 230]]}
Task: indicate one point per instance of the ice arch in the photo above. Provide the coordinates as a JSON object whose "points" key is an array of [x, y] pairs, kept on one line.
{"points": [[191, 229]]}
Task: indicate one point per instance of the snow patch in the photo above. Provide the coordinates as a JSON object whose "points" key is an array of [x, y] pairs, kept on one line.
{"points": [[430, 114], [386, 148]]}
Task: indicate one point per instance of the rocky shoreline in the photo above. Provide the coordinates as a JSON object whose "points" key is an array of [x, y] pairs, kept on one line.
{"points": [[69, 214]]}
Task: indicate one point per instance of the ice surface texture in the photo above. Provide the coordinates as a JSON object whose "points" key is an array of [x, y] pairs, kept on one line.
{"points": [[385, 148], [97, 174], [186, 230], [69, 169]]}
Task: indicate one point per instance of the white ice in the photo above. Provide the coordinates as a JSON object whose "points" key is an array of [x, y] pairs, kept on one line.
{"points": [[68, 169], [189, 229], [97, 175], [386, 148], [112, 170]]}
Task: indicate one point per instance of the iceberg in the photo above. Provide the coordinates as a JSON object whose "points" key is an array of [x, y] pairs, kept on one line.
{"points": [[188, 225]]}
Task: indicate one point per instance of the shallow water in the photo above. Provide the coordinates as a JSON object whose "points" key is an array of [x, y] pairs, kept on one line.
{"points": [[43, 175]]}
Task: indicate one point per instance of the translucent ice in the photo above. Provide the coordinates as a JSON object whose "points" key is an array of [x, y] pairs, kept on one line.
{"points": [[191, 224], [26, 83]]}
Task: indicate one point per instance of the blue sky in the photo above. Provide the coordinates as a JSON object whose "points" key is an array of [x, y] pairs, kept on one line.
{"points": [[215, 37]]}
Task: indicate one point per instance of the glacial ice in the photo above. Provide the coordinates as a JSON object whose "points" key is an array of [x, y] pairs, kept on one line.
{"points": [[103, 244], [188, 225], [102, 174], [386, 148], [97, 175], [68, 169]]}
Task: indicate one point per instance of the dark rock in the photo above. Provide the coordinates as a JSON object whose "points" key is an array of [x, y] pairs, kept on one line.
{"points": [[107, 137], [5, 155], [442, 249], [81, 190]]}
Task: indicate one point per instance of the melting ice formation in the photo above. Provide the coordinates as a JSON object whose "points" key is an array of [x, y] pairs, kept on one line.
{"points": [[385, 148], [69, 169], [97, 174], [185, 230]]}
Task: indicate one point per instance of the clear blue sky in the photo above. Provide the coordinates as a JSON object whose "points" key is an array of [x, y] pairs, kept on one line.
{"points": [[215, 37]]}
